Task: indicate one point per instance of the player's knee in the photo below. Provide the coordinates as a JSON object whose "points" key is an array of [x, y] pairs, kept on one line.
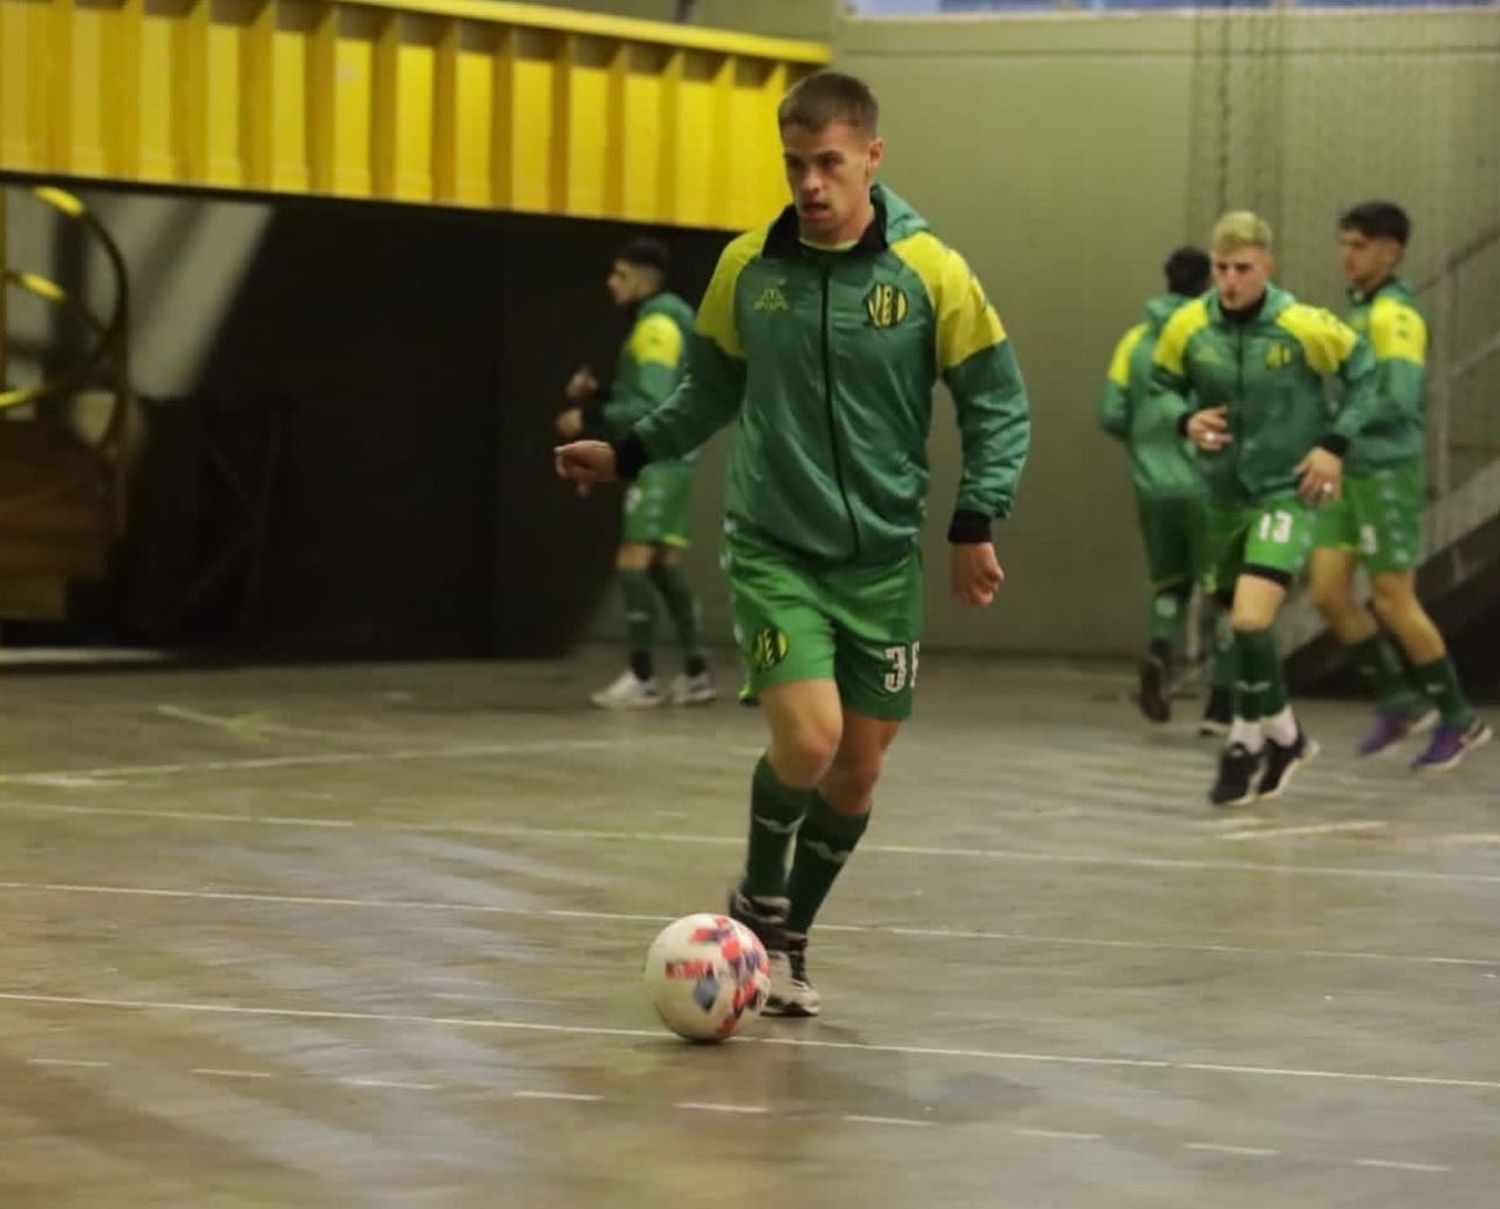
{"points": [[1393, 600], [856, 774], [803, 755], [1331, 597]]}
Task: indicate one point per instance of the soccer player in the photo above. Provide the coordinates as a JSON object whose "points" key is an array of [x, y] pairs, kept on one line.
{"points": [[1253, 359], [659, 503], [1171, 498], [823, 333], [1379, 520]]}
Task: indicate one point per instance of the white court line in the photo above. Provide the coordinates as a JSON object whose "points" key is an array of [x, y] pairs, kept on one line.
{"points": [[1061, 1134], [745, 1110], [316, 758], [1218, 1148], [1270, 833], [395, 1084], [386, 904], [231, 1074], [860, 1119], [918, 1051], [660, 837], [1392, 1165], [63, 1062], [571, 1097]]}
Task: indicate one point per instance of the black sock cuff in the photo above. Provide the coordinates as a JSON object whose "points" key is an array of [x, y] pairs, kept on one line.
{"points": [[843, 829]]}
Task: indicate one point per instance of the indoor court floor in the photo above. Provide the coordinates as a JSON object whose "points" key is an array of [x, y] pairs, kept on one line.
{"points": [[370, 936]]}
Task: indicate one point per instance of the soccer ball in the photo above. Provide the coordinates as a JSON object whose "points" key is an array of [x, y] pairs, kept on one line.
{"points": [[706, 975]]}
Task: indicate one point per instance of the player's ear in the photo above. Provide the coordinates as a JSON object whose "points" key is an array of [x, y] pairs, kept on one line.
{"points": [[876, 153]]}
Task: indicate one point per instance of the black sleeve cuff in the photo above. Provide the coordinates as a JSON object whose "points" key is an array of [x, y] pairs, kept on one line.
{"points": [[1335, 444], [969, 528], [630, 456], [592, 410], [1182, 423]]}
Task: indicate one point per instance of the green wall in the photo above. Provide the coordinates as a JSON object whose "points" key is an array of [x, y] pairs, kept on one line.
{"points": [[1064, 155]]}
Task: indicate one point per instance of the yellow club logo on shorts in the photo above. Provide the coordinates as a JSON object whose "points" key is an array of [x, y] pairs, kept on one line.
{"points": [[769, 648]]}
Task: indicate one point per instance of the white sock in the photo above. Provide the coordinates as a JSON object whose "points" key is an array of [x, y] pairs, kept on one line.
{"points": [[1247, 734], [1281, 728]]}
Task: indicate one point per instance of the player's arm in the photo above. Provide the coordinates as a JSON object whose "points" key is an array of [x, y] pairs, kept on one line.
{"points": [[1334, 349], [1114, 403], [1398, 338], [1172, 398], [976, 361], [656, 347], [710, 394]]}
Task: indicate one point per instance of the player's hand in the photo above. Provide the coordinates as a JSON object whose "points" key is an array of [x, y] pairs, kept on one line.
{"points": [[581, 385], [570, 423], [585, 463], [1322, 477], [975, 573], [1209, 429]]}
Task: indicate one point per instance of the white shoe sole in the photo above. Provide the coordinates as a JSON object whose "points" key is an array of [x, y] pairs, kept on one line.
{"points": [[1479, 740], [601, 702], [697, 698]]}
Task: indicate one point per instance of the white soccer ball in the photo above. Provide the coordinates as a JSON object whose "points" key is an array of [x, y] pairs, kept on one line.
{"points": [[706, 975]]}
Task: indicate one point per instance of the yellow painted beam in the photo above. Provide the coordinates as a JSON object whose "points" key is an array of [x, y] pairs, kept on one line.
{"points": [[474, 103]]}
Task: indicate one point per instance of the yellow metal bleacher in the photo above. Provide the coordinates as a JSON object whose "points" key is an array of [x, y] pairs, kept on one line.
{"points": [[453, 102]]}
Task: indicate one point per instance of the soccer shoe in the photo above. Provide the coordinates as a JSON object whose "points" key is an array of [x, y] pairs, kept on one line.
{"points": [[1282, 761], [791, 994], [766, 917], [1391, 726], [1235, 784], [1218, 714], [1450, 744], [628, 692], [1153, 695], [693, 690]]}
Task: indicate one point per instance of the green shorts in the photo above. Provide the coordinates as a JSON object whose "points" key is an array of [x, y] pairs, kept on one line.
{"points": [[1379, 519], [1175, 532], [797, 618], [658, 507], [1277, 536]]}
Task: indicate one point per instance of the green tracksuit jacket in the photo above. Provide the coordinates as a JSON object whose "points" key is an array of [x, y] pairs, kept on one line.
{"points": [[651, 365], [1390, 320], [1162, 465], [1269, 371], [828, 359]]}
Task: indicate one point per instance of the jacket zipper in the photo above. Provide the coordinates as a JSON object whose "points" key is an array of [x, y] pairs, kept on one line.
{"points": [[833, 432]]}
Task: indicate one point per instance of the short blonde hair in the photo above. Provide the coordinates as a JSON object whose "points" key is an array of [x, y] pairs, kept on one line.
{"points": [[1240, 229]]}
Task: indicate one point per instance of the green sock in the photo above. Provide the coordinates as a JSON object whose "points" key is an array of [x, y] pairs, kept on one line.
{"points": [[640, 610], [823, 846], [1379, 664], [1166, 615], [1226, 664], [681, 604], [775, 811], [1261, 683], [1439, 680]]}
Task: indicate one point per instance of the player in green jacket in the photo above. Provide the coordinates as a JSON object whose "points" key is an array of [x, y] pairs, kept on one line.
{"points": [[1171, 498], [658, 505], [822, 336], [1243, 369], [1378, 523]]}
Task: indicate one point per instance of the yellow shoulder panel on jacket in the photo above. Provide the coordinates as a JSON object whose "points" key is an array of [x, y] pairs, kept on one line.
{"points": [[1186, 322], [1398, 330], [656, 340], [1325, 338], [1119, 365], [965, 321], [716, 318]]}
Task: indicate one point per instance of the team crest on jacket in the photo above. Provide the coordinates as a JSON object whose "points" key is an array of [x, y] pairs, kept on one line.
{"points": [[1278, 356], [885, 305]]}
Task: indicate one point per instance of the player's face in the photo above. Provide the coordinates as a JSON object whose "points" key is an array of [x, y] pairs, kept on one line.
{"points": [[1241, 274], [1367, 262], [623, 283], [830, 172]]}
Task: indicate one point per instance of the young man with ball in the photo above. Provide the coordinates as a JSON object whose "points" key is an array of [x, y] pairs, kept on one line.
{"points": [[822, 335]]}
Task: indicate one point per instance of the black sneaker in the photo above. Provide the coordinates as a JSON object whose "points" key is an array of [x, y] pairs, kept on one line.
{"points": [[766, 917], [791, 993], [1153, 695], [1218, 714], [1235, 785], [1283, 761]]}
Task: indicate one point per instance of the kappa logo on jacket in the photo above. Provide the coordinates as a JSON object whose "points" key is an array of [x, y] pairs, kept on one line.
{"points": [[771, 299]]}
